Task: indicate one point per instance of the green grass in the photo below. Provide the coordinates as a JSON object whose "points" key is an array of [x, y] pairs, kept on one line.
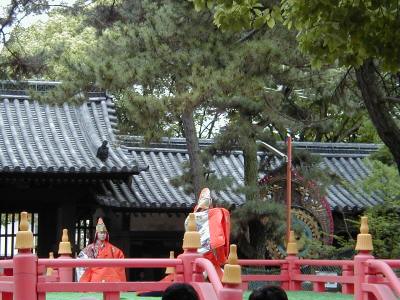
{"points": [[132, 296]]}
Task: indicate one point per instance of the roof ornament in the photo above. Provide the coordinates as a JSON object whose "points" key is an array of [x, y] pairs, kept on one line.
{"points": [[102, 151]]}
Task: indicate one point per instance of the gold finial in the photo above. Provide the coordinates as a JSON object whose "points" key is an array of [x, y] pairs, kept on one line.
{"points": [[233, 258], [364, 229], [364, 239], [191, 239], [192, 223], [291, 248], [49, 271], [232, 270], [64, 246], [64, 237], [24, 224], [24, 238], [170, 270]]}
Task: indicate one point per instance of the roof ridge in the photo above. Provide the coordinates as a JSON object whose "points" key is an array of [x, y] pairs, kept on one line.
{"points": [[12, 89], [319, 147], [44, 138]]}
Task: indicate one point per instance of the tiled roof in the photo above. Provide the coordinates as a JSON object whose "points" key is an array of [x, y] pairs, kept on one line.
{"points": [[153, 189], [346, 161], [63, 139], [59, 139]]}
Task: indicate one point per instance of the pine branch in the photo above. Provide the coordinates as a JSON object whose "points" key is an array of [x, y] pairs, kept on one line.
{"points": [[393, 99], [341, 85], [213, 122], [247, 36]]}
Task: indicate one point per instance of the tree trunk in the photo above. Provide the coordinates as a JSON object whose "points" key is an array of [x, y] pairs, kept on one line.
{"points": [[192, 142], [378, 108], [256, 247], [250, 167], [258, 237]]}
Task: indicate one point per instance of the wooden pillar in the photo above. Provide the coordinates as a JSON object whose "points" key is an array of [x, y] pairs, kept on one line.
{"points": [[47, 237], [66, 218]]}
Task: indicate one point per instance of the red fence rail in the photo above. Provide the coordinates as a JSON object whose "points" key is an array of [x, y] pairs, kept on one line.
{"points": [[369, 278], [373, 278], [366, 276], [290, 273], [30, 282]]}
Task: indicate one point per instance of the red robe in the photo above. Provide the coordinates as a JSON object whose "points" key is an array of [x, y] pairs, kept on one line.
{"points": [[220, 227], [107, 250], [214, 227]]}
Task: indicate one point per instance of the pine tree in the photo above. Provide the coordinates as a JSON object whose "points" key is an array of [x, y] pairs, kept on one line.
{"points": [[166, 63]]}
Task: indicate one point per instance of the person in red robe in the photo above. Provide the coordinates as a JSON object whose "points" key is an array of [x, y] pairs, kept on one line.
{"points": [[101, 248], [214, 227], [213, 224]]}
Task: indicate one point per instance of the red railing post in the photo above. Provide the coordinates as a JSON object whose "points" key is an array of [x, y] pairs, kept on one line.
{"points": [[292, 267], [111, 296], [231, 292], [198, 275], [178, 276], [364, 248], [25, 275], [347, 272], [191, 242], [360, 274], [188, 258], [65, 274], [285, 272], [232, 278], [319, 287], [7, 295], [64, 250], [25, 263]]}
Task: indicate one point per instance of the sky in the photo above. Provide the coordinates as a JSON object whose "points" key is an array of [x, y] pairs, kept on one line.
{"points": [[30, 19], [27, 20]]}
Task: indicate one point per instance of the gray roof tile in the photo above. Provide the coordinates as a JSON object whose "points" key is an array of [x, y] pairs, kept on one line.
{"points": [[37, 137], [153, 188]]}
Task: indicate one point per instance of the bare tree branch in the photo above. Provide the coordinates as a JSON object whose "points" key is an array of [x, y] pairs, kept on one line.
{"points": [[392, 99], [247, 36], [340, 86]]}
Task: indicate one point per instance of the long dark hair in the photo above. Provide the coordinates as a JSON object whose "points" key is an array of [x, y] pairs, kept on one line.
{"points": [[269, 293]]}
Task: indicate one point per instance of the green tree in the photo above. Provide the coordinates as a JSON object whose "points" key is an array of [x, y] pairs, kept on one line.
{"points": [[158, 58], [355, 34], [47, 50], [166, 64], [322, 104], [348, 32], [171, 62], [26, 52], [16, 10], [384, 219]]}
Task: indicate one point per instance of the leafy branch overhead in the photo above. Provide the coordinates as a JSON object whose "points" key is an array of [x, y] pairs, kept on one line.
{"points": [[363, 35], [345, 31], [242, 15]]}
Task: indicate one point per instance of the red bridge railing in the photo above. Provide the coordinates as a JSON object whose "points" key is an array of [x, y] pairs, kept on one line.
{"points": [[31, 282], [380, 280], [368, 278], [291, 278]]}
